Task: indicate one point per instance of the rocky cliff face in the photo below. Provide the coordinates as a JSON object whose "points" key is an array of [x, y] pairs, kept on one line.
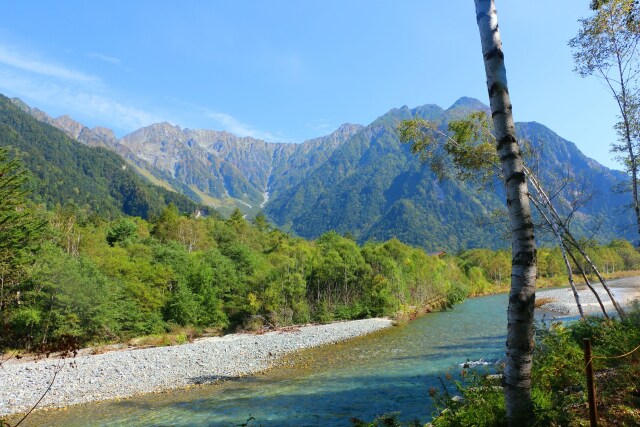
{"points": [[213, 167], [224, 166]]}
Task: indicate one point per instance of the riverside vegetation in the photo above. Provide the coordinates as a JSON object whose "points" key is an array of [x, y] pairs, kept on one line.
{"points": [[559, 384], [73, 278], [470, 397], [87, 280]]}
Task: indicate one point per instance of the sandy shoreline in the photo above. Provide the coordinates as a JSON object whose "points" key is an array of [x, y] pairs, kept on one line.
{"points": [[120, 374]]}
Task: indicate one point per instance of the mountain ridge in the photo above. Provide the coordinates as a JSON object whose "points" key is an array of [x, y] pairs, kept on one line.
{"points": [[358, 179], [68, 173]]}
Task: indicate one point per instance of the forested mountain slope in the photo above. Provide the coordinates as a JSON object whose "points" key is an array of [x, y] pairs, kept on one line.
{"points": [[361, 180], [212, 167], [66, 172], [374, 188]]}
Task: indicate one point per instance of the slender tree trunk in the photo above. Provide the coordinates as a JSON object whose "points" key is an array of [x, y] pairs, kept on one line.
{"points": [[628, 137], [571, 240], [556, 232], [576, 295], [588, 283], [517, 375], [617, 306], [633, 170]]}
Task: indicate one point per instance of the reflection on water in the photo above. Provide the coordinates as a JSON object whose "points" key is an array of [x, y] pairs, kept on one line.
{"points": [[390, 371]]}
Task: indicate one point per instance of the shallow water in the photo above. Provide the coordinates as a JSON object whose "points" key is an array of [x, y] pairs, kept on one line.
{"points": [[389, 371]]}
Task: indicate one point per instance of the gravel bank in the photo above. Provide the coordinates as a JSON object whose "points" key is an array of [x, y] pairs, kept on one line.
{"points": [[126, 373], [563, 302]]}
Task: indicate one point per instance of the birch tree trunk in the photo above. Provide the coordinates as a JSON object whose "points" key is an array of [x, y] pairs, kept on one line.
{"points": [[517, 375]]}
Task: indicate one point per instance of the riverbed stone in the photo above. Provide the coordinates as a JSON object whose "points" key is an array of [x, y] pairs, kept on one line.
{"points": [[129, 372]]}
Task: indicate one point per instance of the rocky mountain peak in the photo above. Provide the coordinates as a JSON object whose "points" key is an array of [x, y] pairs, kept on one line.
{"points": [[348, 128], [69, 126], [469, 103], [156, 132], [21, 104], [105, 133]]}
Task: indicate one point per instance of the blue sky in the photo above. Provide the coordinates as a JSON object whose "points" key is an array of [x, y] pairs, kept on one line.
{"points": [[290, 70]]}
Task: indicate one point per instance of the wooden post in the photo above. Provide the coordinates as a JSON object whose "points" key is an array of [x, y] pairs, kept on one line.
{"points": [[591, 389]]}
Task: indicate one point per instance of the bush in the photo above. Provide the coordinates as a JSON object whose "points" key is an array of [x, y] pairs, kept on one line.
{"points": [[559, 390], [478, 401]]}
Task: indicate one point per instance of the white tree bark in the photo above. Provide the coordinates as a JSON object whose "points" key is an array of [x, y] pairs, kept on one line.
{"points": [[517, 375]]}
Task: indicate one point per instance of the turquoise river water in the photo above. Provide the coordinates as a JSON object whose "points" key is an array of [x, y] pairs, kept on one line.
{"points": [[389, 371]]}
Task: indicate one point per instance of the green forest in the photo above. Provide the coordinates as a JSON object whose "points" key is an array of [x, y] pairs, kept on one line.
{"points": [[71, 277], [64, 172]]}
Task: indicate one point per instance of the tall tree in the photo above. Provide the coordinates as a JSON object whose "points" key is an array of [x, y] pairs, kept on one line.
{"points": [[517, 375], [18, 234], [606, 47], [471, 149]]}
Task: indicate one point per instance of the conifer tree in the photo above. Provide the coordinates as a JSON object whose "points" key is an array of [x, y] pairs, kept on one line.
{"points": [[18, 232]]}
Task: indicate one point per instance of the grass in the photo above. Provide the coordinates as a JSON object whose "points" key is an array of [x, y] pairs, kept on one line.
{"points": [[173, 337], [152, 178]]}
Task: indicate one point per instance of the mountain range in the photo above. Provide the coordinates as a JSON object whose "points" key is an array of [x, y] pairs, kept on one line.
{"points": [[359, 179], [67, 173]]}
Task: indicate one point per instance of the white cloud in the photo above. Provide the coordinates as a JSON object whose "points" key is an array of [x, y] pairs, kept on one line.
{"points": [[104, 58], [17, 59], [322, 126], [112, 60], [237, 127], [76, 101], [47, 84], [85, 97]]}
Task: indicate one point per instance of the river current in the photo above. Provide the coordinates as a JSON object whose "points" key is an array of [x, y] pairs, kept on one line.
{"points": [[386, 372]]}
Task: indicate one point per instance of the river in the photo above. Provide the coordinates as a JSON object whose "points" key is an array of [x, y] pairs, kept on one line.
{"points": [[389, 371]]}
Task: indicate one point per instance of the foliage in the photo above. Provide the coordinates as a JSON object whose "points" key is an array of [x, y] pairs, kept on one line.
{"points": [[558, 370], [65, 299], [469, 149], [606, 47], [20, 233], [128, 277], [102, 281], [559, 385], [70, 275], [122, 231], [387, 420], [477, 401]]}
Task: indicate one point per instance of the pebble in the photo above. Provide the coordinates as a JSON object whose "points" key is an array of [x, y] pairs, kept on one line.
{"points": [[563, 301], [121, 374]]}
